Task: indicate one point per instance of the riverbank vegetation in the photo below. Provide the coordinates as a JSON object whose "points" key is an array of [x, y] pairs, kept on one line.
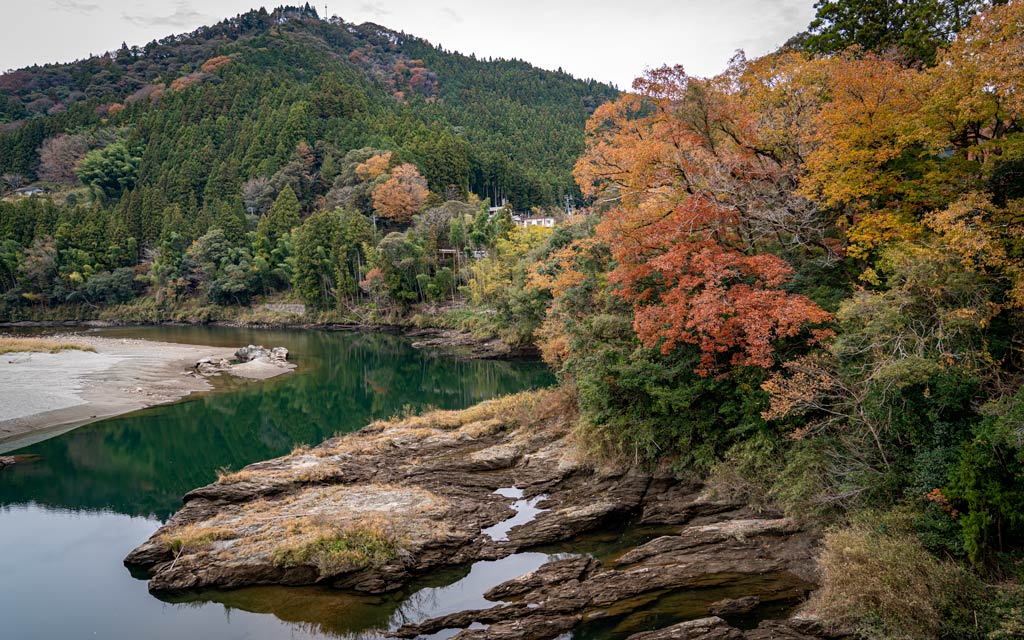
{"points": [[802, 278]]}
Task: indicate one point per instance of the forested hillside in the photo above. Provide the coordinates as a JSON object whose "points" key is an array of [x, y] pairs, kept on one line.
{"points": [[145, 150]]}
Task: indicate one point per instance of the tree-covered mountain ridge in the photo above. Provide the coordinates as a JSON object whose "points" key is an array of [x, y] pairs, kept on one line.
{"points": [[500, 128]]}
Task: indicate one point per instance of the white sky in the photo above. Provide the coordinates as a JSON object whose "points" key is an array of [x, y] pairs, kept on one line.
{"points": [[610, 40]]}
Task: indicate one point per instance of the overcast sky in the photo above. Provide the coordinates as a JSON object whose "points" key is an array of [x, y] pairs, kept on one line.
{"points": [[610, 40]]}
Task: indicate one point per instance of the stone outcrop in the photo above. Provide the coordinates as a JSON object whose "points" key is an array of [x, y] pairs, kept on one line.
{"points": [[253, 352], [429, 486], [713, 628], [10, 461], [253, 362]]}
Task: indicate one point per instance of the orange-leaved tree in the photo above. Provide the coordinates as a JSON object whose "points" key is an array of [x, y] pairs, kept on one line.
{"points": [[698, 194], [867, 138], [374, 167], [402, 195]]}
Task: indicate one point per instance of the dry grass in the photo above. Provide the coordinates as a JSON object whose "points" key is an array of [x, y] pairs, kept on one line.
{"points": [[522, 409], [225, 476], [884, 585], [193, 537], [40, 345], [304, 519], [338, 549]]}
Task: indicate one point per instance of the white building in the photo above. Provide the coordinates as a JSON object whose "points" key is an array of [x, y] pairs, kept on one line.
{"points": [[535, 221]]}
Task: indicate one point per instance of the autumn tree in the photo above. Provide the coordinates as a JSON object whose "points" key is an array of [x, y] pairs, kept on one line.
{"points": [[59, 156], [687, 173], [973, 97], [402, 195], [864, 140], [374, 167]]}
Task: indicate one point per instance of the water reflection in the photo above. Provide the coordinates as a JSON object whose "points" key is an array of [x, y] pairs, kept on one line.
{"points": [[141, 464], [365, 617], [69, 517]]}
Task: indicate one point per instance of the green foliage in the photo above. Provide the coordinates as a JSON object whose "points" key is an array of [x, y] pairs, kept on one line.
{"points": [[279, 221], [222, 270], [987, 481], [396, 262], [328, 258], [915, 29], [110, 171], [649, 406], [108, 287]]}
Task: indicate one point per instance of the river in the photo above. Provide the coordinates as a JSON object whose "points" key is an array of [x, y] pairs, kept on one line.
{"points": [[68, 519]]}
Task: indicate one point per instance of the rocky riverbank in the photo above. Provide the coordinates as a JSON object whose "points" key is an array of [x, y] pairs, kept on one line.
{"points": [[371, 511]]}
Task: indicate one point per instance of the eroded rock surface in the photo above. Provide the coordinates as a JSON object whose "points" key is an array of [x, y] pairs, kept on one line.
{"points": [[713, 628], [420, 491]]}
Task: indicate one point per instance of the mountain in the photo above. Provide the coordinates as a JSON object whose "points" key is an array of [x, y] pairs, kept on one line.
{"points": [[207, 111]]}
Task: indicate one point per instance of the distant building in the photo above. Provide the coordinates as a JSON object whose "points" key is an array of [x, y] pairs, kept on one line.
{"points": [[535, 221], [25, 192]]}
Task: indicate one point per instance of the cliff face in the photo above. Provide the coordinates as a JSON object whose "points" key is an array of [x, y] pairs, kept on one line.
{"points": [[372, 510]]}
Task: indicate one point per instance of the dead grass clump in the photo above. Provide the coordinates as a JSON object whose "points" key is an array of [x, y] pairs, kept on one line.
{"points": [[316, 472], [334, 550], [192, 538], [540, 408], [39, 345], [885, 585], [226, 476], [522, 408]]}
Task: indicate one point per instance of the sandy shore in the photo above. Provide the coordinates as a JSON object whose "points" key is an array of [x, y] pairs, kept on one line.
{"points": [[43, 394]]}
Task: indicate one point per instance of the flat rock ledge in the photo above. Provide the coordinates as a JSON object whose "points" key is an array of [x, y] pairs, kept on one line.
{"points": [[428, 486]]}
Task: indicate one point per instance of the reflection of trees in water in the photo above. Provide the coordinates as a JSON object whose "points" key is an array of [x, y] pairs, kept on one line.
{"points": [[315, 612], [143, 464], [417, 607]]}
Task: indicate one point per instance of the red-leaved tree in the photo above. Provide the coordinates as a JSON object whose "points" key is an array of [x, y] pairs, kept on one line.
{"points": [[697, 194]]}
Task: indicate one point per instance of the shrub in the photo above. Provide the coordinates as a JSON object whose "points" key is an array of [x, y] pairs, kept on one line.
{"points": [[886, 585]]}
